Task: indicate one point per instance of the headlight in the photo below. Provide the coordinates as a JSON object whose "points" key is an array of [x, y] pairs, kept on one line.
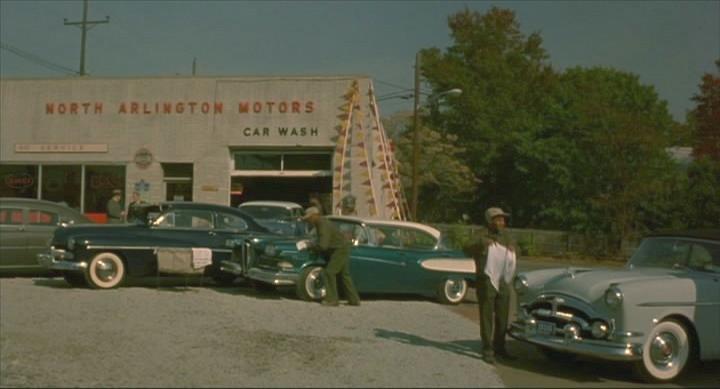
{"points": [[600, 329], [285, 265], [520, 284], [71, 243], [613, 297], [271, 250]]}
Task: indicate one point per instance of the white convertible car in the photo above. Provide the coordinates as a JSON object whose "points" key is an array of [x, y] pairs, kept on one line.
{"points": [[661, 312]]}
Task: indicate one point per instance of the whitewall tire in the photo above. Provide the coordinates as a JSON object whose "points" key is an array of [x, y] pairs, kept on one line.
{"points": [[452, 291], [105, 271], [667, 351], [311, 286]]}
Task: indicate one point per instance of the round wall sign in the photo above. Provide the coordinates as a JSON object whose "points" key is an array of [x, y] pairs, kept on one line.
{"points": [[143, 158]]}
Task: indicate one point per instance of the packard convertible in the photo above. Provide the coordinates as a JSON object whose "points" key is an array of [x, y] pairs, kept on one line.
{"points": [[661, 312], [177, 238], [386, 257]]}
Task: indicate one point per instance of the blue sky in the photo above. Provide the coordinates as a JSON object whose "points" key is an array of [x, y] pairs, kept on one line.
{"points": [[669, 44]]}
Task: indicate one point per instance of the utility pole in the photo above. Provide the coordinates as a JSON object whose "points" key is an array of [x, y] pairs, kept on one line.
{"points": [[194, 65], [416, 138], [85, 25]]}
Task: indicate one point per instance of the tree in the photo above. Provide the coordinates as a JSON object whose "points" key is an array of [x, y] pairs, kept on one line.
{"points": [[706, 116], [446, 183], [506, 84]]}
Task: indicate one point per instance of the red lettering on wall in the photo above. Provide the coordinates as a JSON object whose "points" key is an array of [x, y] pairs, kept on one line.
{"points": [[295, 107], [218, 107], [122, 108], [192, 105], [270, 105], [98, 108], [167, 107], [309, 107], [86, 106], [257, 107], [134, 107], [179, 108], [244, 107], [61, 108], [282, 107], [49, 108], [205, 107], [73, 108], [145, 109]]}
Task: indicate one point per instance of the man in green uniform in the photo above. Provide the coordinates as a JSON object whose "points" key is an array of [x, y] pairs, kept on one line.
{"points": [[332, 244], [495, 261], [115, 209]]}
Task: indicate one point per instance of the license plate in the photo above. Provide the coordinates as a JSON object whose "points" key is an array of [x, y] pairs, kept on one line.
{"points": [[545, 328]]}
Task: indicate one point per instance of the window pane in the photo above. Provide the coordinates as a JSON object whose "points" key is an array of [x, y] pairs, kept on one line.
{"points": [[257, 161], [42, 218], [18, 181], [100, 181], [263, 212], [178, 191], [177, 170], [61, 183], [201, 220], [231, 222], [12, 216], [307, 162]]}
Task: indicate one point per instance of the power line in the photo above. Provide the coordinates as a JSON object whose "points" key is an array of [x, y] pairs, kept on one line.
{"points": [[85, 26], [37, 60]]}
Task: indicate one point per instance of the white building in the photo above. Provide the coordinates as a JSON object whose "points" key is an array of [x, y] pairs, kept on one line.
{"points": [[221, 140]]}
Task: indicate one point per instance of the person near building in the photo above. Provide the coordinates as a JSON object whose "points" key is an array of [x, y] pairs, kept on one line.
{"points": [[495, 255], [135, 212], [314, 200], [115, 212], [336, 249], [347, 206]]}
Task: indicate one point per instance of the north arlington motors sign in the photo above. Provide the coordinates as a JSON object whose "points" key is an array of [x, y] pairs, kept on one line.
{"points": [[197, 120]]}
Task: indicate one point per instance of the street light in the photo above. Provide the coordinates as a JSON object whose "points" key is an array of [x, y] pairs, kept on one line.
{"points": [[416, 130]]}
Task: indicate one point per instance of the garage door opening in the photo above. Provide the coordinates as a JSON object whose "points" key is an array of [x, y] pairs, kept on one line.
{"points": [[295, 189]]}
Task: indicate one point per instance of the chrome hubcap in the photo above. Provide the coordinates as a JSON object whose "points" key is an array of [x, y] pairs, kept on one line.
{"points": [[664, 349], [106, 270], [314, 284], [454, 289]]}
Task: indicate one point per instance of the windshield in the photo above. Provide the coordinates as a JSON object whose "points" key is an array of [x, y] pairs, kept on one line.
{"points": [[265, 212], [667, 252]]}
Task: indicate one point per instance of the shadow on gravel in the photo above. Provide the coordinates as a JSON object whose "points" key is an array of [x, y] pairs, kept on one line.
{"points": [[467, 348], [57, 283]]}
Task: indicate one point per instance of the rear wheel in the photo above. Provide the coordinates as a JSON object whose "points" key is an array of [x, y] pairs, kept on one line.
{"points": [[452, 291], [75, 279], [310, 286], [666, 353], [105, 271]]}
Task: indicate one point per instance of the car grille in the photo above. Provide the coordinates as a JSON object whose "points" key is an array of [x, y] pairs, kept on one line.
{"points": [[556, 310], [243, 254]]}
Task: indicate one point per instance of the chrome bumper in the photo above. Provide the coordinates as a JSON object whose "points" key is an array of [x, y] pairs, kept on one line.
{"points": [[524, 330], [272, 277], [55, 260], [231, 267]]}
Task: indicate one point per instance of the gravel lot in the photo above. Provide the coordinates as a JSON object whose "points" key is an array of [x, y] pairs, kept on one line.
{"points": [[52, 335]]}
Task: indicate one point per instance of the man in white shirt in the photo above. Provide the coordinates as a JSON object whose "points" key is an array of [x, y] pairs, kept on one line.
{"points": [[495, 255]]}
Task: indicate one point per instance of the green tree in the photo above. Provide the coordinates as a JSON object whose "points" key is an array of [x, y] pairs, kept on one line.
{"points": [[506, 82], [706, 116]]}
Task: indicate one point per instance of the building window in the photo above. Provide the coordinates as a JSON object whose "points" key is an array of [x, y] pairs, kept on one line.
{"points": [[178, 178], [61, 183], [19, 181], [100, 181], [316, 163], [306, 162]]}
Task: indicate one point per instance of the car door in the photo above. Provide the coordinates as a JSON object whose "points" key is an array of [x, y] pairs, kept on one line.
{"points": [[12, 237], [41, 223], [227, 227], [704, 264]]}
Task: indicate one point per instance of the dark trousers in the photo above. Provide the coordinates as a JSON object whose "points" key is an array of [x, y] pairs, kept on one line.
{"points": [[339, 264], [494, 308]]}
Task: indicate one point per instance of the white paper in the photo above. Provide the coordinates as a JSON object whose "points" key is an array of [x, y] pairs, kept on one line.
{"points": [[201, 257], [301, 245]]}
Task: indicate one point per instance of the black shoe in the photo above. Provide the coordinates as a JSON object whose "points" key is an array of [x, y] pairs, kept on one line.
{"points": [[329, 303], [489, 359]]}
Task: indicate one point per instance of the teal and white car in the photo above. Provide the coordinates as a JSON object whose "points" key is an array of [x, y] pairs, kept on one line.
{"points": [[661, 312], [388, 257]]}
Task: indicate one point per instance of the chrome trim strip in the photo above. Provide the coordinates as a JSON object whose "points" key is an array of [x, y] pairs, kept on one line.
{"points": [[683, 304], [401, 264], [231, 267], [104, 247], [593, 348], [48, 261], [273, 278]]}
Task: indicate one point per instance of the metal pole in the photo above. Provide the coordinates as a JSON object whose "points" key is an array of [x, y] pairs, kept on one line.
{"points": [[416, 138], [83, 28]]}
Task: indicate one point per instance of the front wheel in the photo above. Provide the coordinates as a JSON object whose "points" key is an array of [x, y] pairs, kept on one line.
{"points": [[666, 352], [310, 286], [105, 271], [452, 291]]}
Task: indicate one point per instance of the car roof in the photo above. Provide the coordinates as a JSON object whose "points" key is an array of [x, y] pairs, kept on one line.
{"points": [[706, 233], [24, 201], [391, 223], [271, 203]]}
